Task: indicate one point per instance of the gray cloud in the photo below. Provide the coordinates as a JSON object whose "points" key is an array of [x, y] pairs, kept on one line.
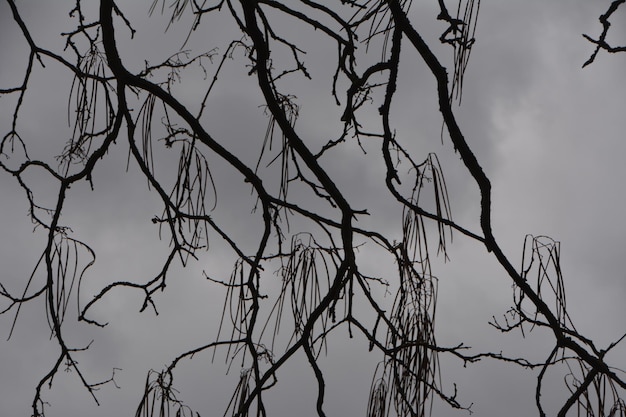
{"points": [[548, 133]]}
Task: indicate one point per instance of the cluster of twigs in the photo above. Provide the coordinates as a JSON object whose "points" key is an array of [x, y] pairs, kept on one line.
{"points": [[321, 279], [601, 43], [160, 399]]}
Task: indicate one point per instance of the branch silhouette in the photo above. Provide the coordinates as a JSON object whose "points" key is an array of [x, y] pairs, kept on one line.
{"points": [[315, 245]]}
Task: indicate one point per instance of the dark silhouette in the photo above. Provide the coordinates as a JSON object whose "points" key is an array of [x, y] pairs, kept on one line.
{"points": [[313, 244]]}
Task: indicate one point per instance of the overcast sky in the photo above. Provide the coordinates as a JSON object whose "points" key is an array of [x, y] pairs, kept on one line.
{"points": [[548, 133]]}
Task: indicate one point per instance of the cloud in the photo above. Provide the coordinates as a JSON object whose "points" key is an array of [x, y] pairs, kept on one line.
{"points": [[548, 133]]}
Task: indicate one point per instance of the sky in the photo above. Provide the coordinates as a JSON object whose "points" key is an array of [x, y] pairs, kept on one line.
{"points": [[548, 133]]}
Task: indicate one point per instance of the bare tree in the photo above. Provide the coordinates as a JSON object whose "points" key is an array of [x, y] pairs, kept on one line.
{"points": [[311, 243]]}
